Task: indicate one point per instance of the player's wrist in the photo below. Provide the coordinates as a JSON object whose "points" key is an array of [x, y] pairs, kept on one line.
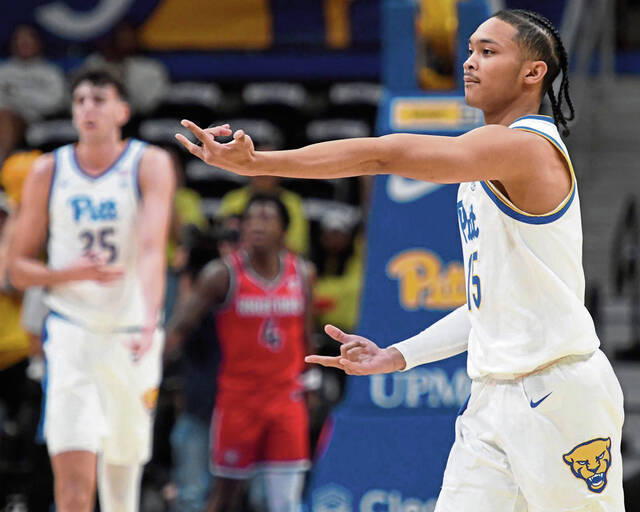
{"points": [[398, 362]]}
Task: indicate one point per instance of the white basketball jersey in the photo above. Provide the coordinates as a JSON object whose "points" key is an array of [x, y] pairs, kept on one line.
{"points": [[96, 214], [525, 282]]}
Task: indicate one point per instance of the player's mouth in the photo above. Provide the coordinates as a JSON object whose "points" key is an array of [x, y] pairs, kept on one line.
{"points": [[469, 79]]}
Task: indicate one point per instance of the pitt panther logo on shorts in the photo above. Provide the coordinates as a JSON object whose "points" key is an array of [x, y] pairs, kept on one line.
{"points": [[590, 462]]}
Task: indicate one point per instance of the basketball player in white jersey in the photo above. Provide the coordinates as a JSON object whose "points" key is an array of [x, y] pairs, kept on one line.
{"points": [[542, 428], [103, 204]]}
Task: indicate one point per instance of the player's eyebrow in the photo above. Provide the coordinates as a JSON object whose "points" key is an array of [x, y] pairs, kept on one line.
{"points": [[483, 40]]}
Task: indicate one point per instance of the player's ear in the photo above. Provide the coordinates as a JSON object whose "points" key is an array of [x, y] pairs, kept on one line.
{"points": [[534, 72], [124, 113]]}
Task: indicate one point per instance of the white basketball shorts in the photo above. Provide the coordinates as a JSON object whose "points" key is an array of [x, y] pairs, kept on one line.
{"points": [[96, 397], [546, 442]]}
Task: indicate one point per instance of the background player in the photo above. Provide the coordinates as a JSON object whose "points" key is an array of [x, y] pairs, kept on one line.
{"points": [[104, 204], [262, 296], [542, 428]]}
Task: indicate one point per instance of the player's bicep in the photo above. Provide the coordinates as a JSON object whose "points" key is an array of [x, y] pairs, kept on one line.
{"points": [[33, 213], [489, 153], [157, 186]]}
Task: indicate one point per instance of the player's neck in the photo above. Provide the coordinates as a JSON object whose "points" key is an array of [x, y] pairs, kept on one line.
{"points": [[266, 263], [509, 113], [96, 156]]}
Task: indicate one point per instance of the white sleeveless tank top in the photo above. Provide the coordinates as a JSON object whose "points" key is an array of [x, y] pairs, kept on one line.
{"points": [[96, 214], [525, 281]]}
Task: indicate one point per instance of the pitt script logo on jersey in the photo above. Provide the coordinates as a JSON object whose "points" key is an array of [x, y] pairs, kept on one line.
{"points": [[424, 282], [470, 231], [590, 462], [468, 226], [84, 208]]}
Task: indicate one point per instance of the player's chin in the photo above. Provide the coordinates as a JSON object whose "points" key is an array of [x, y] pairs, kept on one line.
{"points": [[471, 96]]}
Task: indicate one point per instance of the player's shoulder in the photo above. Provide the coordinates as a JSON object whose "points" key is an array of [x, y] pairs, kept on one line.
{"points": [[153, 156], [514, 143], [305, 266], [215, 278], [156, 168], [43, 169]]}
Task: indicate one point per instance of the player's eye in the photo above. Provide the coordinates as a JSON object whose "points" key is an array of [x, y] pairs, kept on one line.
{"points": [[469, 52], [488, 51]]}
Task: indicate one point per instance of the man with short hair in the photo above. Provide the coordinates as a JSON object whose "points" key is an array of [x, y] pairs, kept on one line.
{"points": [[104, 206]]}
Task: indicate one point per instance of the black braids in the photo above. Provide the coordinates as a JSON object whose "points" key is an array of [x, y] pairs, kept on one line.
{"points": [[563, 91], [558, 61]]}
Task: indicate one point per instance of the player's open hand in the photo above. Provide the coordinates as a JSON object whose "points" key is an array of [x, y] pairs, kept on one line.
{"points": [[236, 156], [93, 268], [359, 355], [140, 343]]}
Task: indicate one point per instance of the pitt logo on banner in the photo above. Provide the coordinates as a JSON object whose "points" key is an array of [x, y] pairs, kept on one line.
{"points": [[425, 283]]}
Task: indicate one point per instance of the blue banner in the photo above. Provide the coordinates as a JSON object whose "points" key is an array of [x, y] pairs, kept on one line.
{"points": [[390, 437]]}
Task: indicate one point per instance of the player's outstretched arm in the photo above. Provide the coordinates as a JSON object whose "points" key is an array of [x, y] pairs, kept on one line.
{"points": [[448, 337], [469, 157], [359, 355], [31, 223]]}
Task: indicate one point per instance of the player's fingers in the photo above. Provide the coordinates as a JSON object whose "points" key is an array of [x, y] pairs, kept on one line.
{"points": [[218, 131], [324, 361], [346, 347], [238, 136], [336, 333], [354, 353], [196, 130], [189, 146]]}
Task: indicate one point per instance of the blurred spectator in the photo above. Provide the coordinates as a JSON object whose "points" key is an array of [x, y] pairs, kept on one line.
{"points": [[338, 260], [436, 28], [626, 266], [30, 88], [14, 342], [199, 361], [14, 171], [146, 80], [234, 202]]}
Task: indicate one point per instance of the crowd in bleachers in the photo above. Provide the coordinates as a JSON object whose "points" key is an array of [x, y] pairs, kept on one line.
{"points": [[326, 227]]}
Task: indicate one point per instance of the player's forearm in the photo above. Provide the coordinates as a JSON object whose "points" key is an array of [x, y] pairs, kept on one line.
{"points": [[152, 268], [325, 160], [27, 272], [446, 338]]}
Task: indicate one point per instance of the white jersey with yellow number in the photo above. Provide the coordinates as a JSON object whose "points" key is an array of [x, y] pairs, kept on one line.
{"points": [[96, 215], [525, 281]]}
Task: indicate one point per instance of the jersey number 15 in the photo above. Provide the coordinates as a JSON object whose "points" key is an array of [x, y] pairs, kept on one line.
{"points": [[473, 281]]}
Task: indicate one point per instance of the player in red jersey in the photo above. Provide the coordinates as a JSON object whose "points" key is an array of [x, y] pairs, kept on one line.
{"points": [[262, 295]]}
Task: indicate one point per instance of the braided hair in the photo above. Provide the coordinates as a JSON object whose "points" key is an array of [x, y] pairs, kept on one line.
{"points": [[537, 36]]}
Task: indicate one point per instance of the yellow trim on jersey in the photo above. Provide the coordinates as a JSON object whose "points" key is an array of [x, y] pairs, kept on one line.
{"points": [[509, 204]]}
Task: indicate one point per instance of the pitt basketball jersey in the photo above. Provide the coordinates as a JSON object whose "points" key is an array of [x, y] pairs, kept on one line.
{"points": [[524, 276], [96, 215], [261, 328]]}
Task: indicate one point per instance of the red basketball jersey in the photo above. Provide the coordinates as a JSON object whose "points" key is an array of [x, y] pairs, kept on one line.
{"points": [[261, 328]]}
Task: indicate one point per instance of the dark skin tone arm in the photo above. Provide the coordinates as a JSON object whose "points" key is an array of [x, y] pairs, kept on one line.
{"points": [[210, 289]]}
